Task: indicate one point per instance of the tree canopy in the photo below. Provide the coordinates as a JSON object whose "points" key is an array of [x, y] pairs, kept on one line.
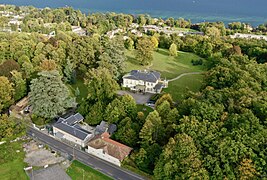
{"points": [[49, 96]]}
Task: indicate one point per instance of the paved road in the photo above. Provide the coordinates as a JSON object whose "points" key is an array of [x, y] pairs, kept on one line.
{"points": [[184, 74], [92, 161]]}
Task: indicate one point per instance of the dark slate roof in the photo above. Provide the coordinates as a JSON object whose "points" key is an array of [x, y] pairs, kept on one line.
{"points": [[112, 128], [72, 130], [101, 128], [104, 126], [73, 119], [158, 86], [148, 76]]}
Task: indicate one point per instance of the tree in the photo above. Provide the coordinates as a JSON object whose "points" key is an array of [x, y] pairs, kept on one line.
{"points": [[213, 32], [155, 42], [10, 126], [173, 50], [113, 57], [102, 89], [144, 51], [141, 20], [48, 65], [164, 97], [129, 44], [49, 96], [6, 93], [180, 159], [126, 132], [19, 85], [151, 131], [247, 169], [120, 108], [7, 67]]}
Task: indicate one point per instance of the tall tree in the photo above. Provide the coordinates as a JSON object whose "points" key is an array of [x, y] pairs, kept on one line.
{"points": [[180, 160], [151, 131], [19, 85], [113, 57], [6, 93], [102, 89], [144, 51], [49, 96], [173, 50]]}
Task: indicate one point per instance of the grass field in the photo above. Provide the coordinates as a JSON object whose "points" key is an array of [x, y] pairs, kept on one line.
{"points": [[82, 89], [11, 162], [145, 109], [78, 170], [168, 66], [180, 87], [184, 29]]}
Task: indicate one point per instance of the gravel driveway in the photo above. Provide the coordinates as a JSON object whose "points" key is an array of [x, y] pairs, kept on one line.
{"points": [[139, 98]]}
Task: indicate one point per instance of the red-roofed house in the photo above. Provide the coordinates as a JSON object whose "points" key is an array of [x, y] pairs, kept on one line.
{"points": [[107, 149]]}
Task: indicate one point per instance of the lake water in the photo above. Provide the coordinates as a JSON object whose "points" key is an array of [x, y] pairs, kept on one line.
{"points": [[250, 11]]}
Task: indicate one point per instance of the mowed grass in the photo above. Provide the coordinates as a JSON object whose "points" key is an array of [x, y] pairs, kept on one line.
{"points": [[11, 162], [184, 29], [78, 170], [180, 87], [169, 67], [82, 89], [145, 109]]}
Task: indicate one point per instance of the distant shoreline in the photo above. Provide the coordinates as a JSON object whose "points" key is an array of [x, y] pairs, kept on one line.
{"points": [[194, 17]]}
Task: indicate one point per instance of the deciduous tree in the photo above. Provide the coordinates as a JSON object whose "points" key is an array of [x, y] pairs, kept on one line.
{"points": [[144, 51]]}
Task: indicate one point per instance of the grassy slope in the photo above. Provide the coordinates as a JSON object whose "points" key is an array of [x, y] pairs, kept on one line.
{"points": [[75, 171], [169, 66], [181, 86], [82, 88], [11, 166]]}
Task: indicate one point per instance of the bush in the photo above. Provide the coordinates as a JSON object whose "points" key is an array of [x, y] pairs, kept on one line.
{"points": [[197, 62], [38, 120]]}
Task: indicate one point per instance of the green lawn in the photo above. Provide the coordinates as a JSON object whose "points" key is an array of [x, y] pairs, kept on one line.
{"points": [[82, 88], [180, 87], [168, 66], [78, 170], [184, 29], [145, 109], [11, 162]]}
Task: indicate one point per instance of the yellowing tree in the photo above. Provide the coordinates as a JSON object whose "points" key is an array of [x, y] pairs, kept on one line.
{"points": [[173, 49], [6, 93]]}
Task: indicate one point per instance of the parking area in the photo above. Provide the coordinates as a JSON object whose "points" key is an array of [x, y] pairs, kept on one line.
{"points": [[139, 98], [37, 155]]}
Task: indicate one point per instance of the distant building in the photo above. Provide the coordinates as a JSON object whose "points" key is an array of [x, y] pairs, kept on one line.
{"points": [[78, 30], [69, 129], [107, 149], [249, 36], [144, 81]]}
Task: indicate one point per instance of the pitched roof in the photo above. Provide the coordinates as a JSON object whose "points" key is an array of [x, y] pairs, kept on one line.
{"points": [[72, 130], [109, 146], [104, 126], [148, 76], [73, 119], [70, 126]]}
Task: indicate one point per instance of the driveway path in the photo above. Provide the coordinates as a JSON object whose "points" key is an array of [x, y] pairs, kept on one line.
{"points": [[184, 74]]}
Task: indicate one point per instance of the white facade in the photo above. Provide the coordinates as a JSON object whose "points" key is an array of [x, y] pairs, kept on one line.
{"points": [[102, 155], [130, 83], [249, 36], [71, 138]]}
